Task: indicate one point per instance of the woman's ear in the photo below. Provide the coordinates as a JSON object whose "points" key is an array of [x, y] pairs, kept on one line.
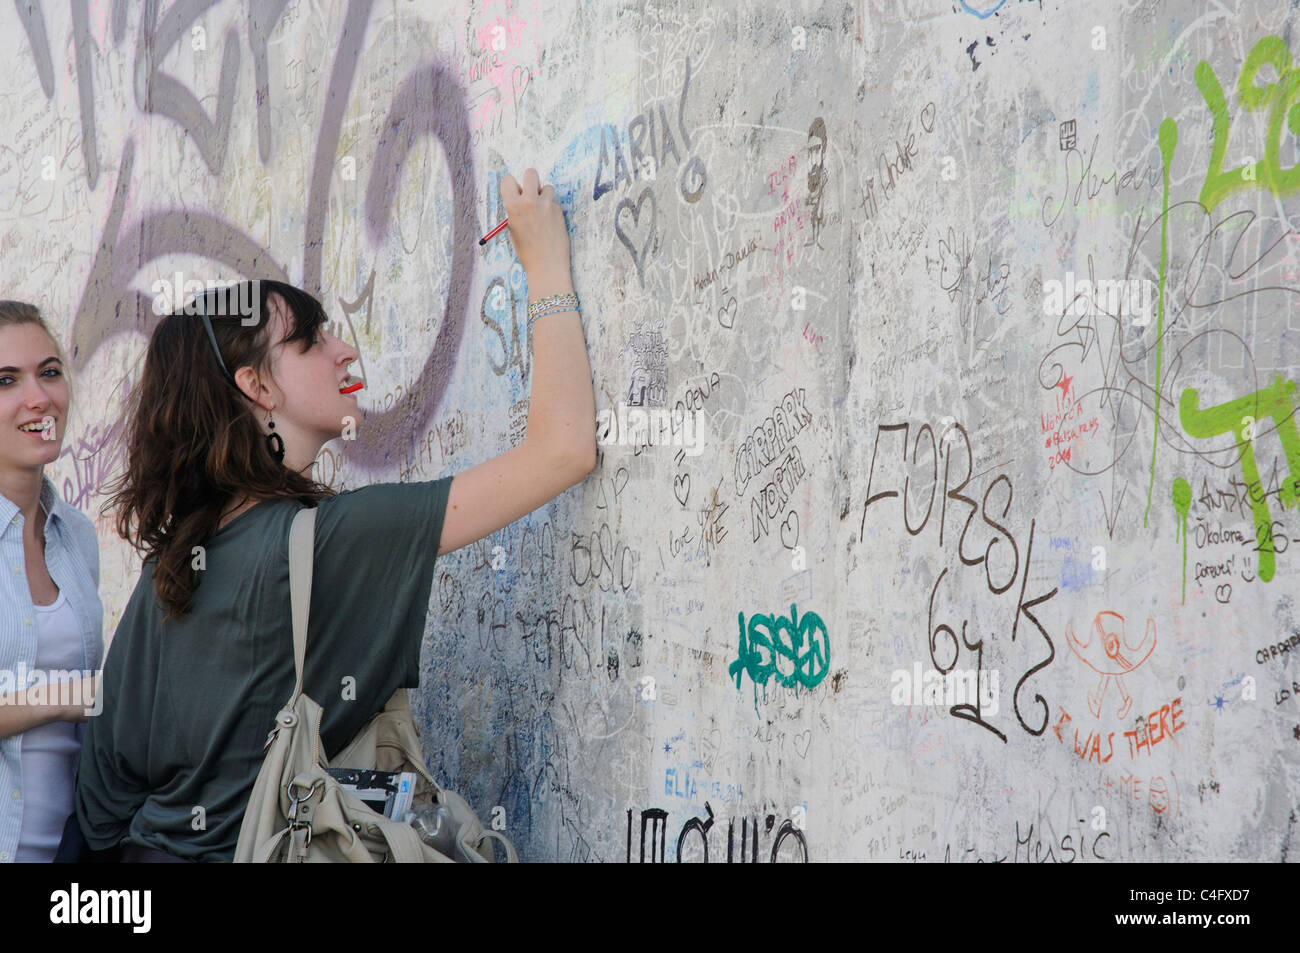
{"points": [[250, 384]]}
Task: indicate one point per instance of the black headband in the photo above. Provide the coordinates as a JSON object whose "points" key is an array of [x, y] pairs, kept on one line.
{"points": [[212, 336]]}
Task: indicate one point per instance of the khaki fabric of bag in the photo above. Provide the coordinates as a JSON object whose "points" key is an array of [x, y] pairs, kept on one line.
{"points": [[298, 813]]}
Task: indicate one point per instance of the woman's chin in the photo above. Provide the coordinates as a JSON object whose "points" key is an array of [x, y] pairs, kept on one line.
{"points": [[39, 455]]}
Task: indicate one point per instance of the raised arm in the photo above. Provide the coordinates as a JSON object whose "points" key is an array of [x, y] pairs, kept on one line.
{"points": [[559, 449]]}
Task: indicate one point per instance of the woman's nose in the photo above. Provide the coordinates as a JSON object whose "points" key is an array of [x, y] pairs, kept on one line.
{"points": [[35, 396]]}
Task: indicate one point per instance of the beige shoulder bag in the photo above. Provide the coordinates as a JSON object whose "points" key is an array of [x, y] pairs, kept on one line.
{"points": [[299, 813]]}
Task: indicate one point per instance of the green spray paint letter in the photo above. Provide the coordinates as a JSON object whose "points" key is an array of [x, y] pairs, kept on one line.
{"points": [[796, 650], [1168, 136], [1276, 401], [1278, 97], [1182, 494]]}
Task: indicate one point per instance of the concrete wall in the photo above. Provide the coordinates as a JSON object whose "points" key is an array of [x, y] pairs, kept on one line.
{"points": [[986, 313]]}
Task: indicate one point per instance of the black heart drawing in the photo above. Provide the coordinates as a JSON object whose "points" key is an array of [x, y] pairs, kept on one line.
{"points": [[802, 741], [729, 309], [790, 527], [1223, 593], [638, 258], [684, 480]]}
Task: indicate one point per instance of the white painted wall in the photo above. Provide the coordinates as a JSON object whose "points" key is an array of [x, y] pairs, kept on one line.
{"points": [[895, 305]]}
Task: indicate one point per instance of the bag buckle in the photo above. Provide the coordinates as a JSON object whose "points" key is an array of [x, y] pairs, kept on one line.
{"points": [[295, 799], [294, 828]]}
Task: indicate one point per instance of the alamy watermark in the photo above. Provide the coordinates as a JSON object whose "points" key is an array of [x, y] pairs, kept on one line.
{"points": [[975, 687], [656, 427], [1133, 297], [245, 300], [63, 687], [76, 905]]}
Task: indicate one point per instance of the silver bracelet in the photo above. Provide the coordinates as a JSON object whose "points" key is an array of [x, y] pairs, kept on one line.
{"points": [[553, 309], [544, 305]]}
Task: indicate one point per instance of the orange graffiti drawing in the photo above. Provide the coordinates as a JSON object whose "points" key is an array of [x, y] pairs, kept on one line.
{"points": [[1111, 656]]}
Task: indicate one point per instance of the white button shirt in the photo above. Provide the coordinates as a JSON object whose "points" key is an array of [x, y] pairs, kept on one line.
{"points": [[72, 558]]}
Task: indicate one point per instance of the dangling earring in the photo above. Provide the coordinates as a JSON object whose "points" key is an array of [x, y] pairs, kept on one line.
{"points": [[274, 442]]}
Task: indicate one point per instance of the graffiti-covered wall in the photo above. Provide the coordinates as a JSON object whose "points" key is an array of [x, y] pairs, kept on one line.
{"points": [[945, 357]]}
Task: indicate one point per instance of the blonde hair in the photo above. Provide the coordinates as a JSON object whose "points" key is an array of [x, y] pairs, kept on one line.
{"points": [[14, 313]]}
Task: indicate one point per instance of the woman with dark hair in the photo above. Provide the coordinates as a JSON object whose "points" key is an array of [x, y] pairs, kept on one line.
{"points": [[229, 416], [51, 619]]}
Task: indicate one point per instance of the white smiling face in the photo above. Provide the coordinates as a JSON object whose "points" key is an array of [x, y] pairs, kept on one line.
{"points": [[33, 398]]}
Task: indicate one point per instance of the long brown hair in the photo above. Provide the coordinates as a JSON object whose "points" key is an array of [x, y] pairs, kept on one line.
{"points": [[192, 438]]}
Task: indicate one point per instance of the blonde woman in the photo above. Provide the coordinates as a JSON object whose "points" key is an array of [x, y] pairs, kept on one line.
{"points": [[51, 619]]}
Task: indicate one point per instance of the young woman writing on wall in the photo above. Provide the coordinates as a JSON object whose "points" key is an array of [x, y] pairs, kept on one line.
{"points": [[202, 660]]}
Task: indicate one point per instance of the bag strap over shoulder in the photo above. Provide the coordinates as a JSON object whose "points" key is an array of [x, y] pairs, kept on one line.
{"points": [[302, 536]]}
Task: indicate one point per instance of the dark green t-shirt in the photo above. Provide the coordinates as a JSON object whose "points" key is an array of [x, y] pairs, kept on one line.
{"points": [[170, 761]]}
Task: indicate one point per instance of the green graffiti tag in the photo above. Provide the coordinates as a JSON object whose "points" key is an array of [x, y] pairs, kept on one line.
{"points": [[1278, 97], [796, 651], [1182, 494], [1168, 136], [1240, 417]]}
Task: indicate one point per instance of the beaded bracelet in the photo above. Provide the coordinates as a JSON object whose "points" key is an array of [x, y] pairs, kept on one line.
{"points": [[551, 310], [551, 302], [557, 306]]}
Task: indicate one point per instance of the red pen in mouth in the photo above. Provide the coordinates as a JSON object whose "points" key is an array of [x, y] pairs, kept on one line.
{"points": [[354, 387]]}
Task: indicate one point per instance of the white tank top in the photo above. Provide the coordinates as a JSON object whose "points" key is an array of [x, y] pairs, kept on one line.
{"points": [[48, 754]]}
